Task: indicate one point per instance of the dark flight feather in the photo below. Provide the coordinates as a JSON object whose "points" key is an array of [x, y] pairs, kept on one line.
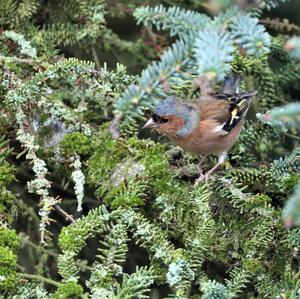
{"points": [[239, 104]]}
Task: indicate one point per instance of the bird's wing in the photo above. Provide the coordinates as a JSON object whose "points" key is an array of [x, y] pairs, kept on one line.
{"points": [[228, 109]]}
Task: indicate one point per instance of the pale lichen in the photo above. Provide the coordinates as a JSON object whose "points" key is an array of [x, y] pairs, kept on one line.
{"points": [[40, 184], [79, 180], [25, 47]]}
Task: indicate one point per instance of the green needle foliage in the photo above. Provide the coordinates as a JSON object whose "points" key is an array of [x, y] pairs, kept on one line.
{"points": [[93, 207]]}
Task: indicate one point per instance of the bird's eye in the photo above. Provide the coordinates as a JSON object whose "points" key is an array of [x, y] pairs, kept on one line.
{"points": [[159, 119], [155, 117], [163, 120]]}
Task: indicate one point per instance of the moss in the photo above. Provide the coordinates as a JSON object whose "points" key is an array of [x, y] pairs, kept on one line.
{"points": [[3, 120], [76, 143], [101, 165], [8, 262], [289, 183], [69, 290], [158, 169], [260, 200], [9, 238], [123, 181], [108, 154], [252, 265], [68, 238], [6, 174], [6, 197], [6, 204], [128, 193]]}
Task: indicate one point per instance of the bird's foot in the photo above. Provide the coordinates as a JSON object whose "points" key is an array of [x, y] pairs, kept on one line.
{"points": [[203, 178], [207, 176], [200, 170], [200, 164]]}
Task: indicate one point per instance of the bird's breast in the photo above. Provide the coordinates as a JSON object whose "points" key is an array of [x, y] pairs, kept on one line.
{"points": [[204, 140]]}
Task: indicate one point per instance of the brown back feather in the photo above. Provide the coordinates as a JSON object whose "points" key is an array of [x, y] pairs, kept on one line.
{"points": [[226, 108], [211, 108]]}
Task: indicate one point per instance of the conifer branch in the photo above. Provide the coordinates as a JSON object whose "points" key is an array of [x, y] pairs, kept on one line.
{"points": [[179, 21], [40, 278]]}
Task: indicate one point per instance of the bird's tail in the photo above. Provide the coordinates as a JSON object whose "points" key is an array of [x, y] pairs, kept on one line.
{"points": [[231, 84]]}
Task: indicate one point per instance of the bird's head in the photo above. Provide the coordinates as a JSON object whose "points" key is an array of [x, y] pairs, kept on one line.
{"points": [[174, 118]]}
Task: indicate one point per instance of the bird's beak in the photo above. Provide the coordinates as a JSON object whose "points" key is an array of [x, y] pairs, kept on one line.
{"points": [[149, 124]]}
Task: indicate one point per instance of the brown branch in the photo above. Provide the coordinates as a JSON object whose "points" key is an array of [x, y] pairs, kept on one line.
{"points": [[96, 58], [40, 278], [20, 60], [113, 128], [280, 24], [67, 216]]}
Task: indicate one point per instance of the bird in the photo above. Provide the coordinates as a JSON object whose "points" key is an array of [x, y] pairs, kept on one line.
{"points": [[210, 125]]}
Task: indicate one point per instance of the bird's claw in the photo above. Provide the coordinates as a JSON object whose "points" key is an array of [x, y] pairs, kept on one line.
{"points": [[200, 170], [203, 178]]}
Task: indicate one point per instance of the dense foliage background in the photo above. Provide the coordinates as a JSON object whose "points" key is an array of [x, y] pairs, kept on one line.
{"points": [[93, 207]]}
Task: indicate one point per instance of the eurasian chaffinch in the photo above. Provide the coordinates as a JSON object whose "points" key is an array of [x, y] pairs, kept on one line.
{"points": [[209, 125]]}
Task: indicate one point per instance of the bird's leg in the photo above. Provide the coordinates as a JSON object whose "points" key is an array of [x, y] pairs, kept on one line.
{"points": [[200, 163], [213, 169], [206, 176]]}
